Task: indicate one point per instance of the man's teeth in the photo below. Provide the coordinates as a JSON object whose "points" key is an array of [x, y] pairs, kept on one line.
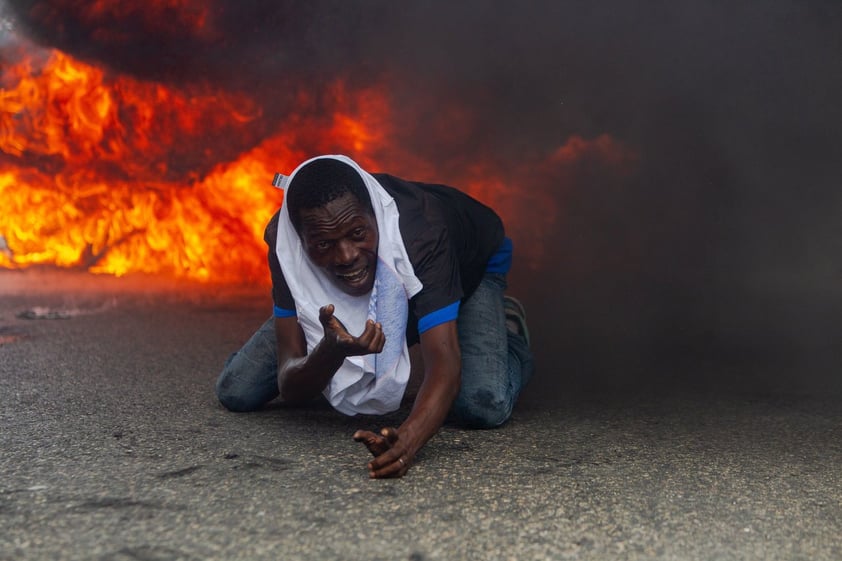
{"points": [[354, 276]]}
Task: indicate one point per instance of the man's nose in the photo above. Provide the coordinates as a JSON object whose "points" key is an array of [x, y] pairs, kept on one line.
{"points": [[346, 253]]}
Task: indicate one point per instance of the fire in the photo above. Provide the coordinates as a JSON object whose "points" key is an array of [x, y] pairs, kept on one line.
{"points": [[73, 117], [116, 175], [97, 176]]}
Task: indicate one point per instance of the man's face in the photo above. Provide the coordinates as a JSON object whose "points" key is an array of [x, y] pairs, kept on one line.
{"points": [[341, 239]]}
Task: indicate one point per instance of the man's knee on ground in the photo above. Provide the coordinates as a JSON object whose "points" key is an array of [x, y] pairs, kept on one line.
{"points": [[228, 395], [482, 410]]}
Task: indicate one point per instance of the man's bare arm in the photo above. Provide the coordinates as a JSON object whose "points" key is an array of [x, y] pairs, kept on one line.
{"points": [[394, 449], [302, 376]]}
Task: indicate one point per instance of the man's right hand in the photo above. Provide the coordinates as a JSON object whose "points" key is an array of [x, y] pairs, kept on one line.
{"points": [[302, 377], [370, 341]]}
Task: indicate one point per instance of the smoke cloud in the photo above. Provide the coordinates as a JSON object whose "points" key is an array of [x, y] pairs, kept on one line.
{"points": [[699, 248]]}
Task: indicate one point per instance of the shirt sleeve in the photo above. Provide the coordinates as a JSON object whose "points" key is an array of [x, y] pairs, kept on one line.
{"points": [[438, 317], [284, 305], [437, 267]]}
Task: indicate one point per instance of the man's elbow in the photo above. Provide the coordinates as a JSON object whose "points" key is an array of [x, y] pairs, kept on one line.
{"points": [[294, 394], [454, 379]]}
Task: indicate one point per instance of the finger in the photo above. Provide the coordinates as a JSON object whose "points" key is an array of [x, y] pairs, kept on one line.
{"points": [[332, 324], [325, 314], [340, 324], [392, 454], [379, 340], [369, 333], [362, 435], [390, 434], [372, 339], [376, 444], [396, 468]]}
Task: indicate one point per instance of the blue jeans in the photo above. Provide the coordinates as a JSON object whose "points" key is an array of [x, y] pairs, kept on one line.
{"points": [[496, 363]]}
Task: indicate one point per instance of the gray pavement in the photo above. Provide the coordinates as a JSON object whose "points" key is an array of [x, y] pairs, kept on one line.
{"points": [[114, 448]]}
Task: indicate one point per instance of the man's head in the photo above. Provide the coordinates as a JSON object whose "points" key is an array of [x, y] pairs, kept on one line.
{"points": [[330, 208]]}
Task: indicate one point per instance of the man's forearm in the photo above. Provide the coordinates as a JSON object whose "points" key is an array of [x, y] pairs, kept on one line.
{"points": [[395, 449], [302, 379], [303, 376], [442, 377], [433, 402]]}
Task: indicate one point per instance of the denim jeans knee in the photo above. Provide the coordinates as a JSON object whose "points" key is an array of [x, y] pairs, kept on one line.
{"points": [[493, 370], [482, 409], [249, 378]]}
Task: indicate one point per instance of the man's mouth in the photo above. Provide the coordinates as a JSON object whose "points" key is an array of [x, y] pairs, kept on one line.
{"points": [[354, 276]]}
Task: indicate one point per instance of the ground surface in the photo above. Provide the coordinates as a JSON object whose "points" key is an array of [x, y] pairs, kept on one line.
{"points": [[114, 448]]}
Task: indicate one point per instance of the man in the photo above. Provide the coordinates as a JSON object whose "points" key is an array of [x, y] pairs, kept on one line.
{"points": [[364, 266]]}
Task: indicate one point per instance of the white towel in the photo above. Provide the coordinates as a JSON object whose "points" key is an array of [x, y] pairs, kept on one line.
{"points": [[371, 384]]}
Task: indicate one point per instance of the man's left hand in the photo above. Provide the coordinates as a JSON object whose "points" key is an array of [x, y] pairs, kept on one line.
{"points": [[393, 452]]}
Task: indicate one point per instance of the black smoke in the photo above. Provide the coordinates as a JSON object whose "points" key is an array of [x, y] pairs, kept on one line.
{"points": [[716, 263]]}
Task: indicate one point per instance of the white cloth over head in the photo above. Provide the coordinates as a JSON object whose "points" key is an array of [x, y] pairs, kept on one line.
{"points": [[371, 384]]}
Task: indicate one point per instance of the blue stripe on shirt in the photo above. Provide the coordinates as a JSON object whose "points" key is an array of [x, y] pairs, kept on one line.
{"points": [[501, 261], [283, 313], [438, 317]]}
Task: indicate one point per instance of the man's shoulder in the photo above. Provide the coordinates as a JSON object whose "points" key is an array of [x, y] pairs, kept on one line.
{"points": [[270, 234], [421, 205], [399, 189], [403, 187]]}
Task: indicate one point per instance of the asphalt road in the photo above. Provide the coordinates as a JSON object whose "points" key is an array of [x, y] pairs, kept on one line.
{"points": [[114, 448]]}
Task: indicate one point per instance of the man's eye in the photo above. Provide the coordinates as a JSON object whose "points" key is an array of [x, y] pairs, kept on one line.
{"points": [[322, 245], [359, 232]]}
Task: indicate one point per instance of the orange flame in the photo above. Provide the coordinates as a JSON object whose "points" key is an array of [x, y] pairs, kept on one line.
{"points": [[116, 175], [89, 177], [69, 109]]}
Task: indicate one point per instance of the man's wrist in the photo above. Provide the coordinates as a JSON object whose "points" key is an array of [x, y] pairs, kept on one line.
{"points": [[330, 350], [415, 437]]}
